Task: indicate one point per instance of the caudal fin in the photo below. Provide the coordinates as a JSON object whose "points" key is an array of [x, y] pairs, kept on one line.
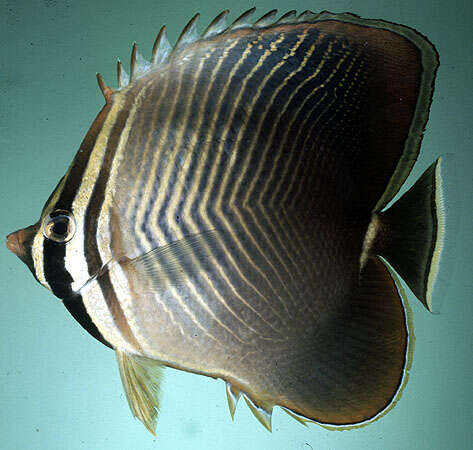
{"points": [[410, 234]]}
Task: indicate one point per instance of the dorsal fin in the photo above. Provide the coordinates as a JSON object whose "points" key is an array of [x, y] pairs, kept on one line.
{"points": [[138, 65], [243, 20], [288, 17], [106, 90], [217, 25], [307, 16], [161, 47], [122, 76], [189, 34], [266, 19]]}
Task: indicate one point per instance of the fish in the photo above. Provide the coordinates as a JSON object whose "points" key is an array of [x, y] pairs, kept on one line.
{"points": [[229, 213]]}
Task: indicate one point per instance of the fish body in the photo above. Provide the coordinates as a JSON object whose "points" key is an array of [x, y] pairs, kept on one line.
{"points": [[224, 214]]}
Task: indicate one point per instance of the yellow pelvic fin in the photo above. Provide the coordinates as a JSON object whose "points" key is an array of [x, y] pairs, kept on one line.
{"points": [[141, 379]]}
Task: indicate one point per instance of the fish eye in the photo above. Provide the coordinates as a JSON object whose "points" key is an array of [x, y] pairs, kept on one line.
{"points": [[59, 226]]}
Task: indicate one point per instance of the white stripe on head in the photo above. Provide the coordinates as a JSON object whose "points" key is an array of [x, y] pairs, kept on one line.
{"points": [[99, 311], [37, 248], [75, 260], [37, 255]]}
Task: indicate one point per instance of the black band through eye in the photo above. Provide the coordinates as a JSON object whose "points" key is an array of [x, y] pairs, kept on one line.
{"points": [[59, 226]]}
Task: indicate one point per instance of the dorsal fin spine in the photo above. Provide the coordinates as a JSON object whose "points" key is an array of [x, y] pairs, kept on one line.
{"points": [[288, 17], [161, 47], [133, 62], [189, 33], [138, 65], [307, 16], [217, 25], [122, 76], [243, 20], [266, 19], [106, 90]]}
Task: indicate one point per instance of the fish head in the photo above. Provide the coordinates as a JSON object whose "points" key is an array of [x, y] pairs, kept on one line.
{"points": [[54, 248], [54, 251], [46, 246]]}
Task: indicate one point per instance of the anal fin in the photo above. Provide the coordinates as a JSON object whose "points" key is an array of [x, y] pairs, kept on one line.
{"points": [[263, 412], [141, 380], [297, 417], [233, 395], [352, 370]]}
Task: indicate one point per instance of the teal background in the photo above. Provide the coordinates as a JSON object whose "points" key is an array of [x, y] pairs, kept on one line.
{"points": [[59, 388]]}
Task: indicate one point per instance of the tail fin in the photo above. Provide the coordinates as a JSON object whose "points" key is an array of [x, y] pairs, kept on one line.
{"points": [[410, 234]]}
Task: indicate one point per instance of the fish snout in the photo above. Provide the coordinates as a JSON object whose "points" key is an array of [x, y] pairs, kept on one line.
{"points": [[13, 242], [19, 241]]}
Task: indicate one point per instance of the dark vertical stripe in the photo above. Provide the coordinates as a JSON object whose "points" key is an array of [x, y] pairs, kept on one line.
{"points": [[261, 230], [81, 159], [60, 281], [91, 250], [55, 273], [75, 305]]}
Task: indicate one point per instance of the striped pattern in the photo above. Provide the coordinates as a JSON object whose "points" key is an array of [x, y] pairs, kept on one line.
{"points": [[267, 136], [209, 135], [225, 138]]}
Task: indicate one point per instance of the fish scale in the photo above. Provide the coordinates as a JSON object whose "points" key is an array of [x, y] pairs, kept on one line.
{"points": [[216, 219], [131, 153], [223, 215]]}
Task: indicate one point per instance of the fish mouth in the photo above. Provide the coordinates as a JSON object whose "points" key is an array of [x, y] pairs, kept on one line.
{"points": [[13, 243], [20, 243]]}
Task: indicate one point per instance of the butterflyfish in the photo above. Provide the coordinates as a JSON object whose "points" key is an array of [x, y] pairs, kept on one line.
{"points": [[226, 214]]}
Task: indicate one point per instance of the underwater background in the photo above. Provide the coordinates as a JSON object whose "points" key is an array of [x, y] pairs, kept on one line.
{"points": [[59, 388]]}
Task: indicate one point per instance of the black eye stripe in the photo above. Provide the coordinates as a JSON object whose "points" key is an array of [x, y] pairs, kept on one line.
{"points": [[55, 272], [59, 279], [58, 213], [60, 228], [75, 305]]}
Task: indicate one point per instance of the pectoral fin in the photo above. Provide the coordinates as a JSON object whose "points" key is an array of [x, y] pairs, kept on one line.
{"points": [[141, 379], [174, 263]]}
